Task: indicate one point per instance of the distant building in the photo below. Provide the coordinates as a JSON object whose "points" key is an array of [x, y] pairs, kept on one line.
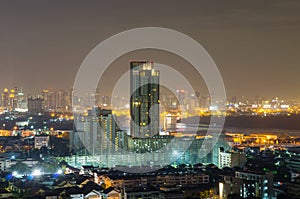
{"points": [[247, 184], [182, 99], [49, 97], [13, 99], [106, 101], [170, 121], [21, 101], [56, 100], [40, 141], [231, 158], [9, 99], [88, 130], [5, 98], [35, 105]]}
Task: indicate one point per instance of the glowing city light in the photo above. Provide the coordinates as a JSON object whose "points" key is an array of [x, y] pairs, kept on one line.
{"points": [[36, 172]]}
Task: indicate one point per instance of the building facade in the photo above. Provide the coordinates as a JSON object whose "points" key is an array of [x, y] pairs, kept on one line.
{"points": [[231, 158], [144, 99], [35, 105], [41, 141], [247, 184]]}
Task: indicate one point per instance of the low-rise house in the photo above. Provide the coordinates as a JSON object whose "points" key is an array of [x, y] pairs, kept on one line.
{"points": [[5, 194]]}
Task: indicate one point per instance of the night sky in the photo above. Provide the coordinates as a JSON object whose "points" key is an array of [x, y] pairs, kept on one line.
{"points": [[255, 44]]}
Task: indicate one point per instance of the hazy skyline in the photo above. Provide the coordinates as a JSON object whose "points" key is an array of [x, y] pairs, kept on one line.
{"points": [[255, 44]]}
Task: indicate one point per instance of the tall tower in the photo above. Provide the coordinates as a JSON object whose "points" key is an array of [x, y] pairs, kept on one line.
{"points": [[144, 99], [5, 98]]}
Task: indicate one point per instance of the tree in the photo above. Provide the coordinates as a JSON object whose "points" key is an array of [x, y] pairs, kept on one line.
{"points": [[206, 194], [3, 184], [21, 168]]}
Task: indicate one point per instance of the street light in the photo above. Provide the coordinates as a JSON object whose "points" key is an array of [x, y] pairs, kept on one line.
{"points": [[36, 172], [59, 171]]}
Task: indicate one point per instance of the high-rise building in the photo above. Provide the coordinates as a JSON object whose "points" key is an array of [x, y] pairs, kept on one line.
{"points": [[60, 100], [12, 99], [5, 98], [88, 129], [35, 105], [144, 99], [56, 100], [182, 98], [106, 101], [108, 125], [49, 99], [98, 132], [21, 100]]}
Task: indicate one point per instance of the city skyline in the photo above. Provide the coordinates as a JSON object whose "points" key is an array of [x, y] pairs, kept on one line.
{"points": [[150, 99], [254, 44]]}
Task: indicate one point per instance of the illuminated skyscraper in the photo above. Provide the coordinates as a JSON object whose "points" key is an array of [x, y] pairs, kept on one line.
{"points": [[49, 98], [21, 100], [144, 99], [109, 129], [56, 100], [12, 99], [5, 98]]}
